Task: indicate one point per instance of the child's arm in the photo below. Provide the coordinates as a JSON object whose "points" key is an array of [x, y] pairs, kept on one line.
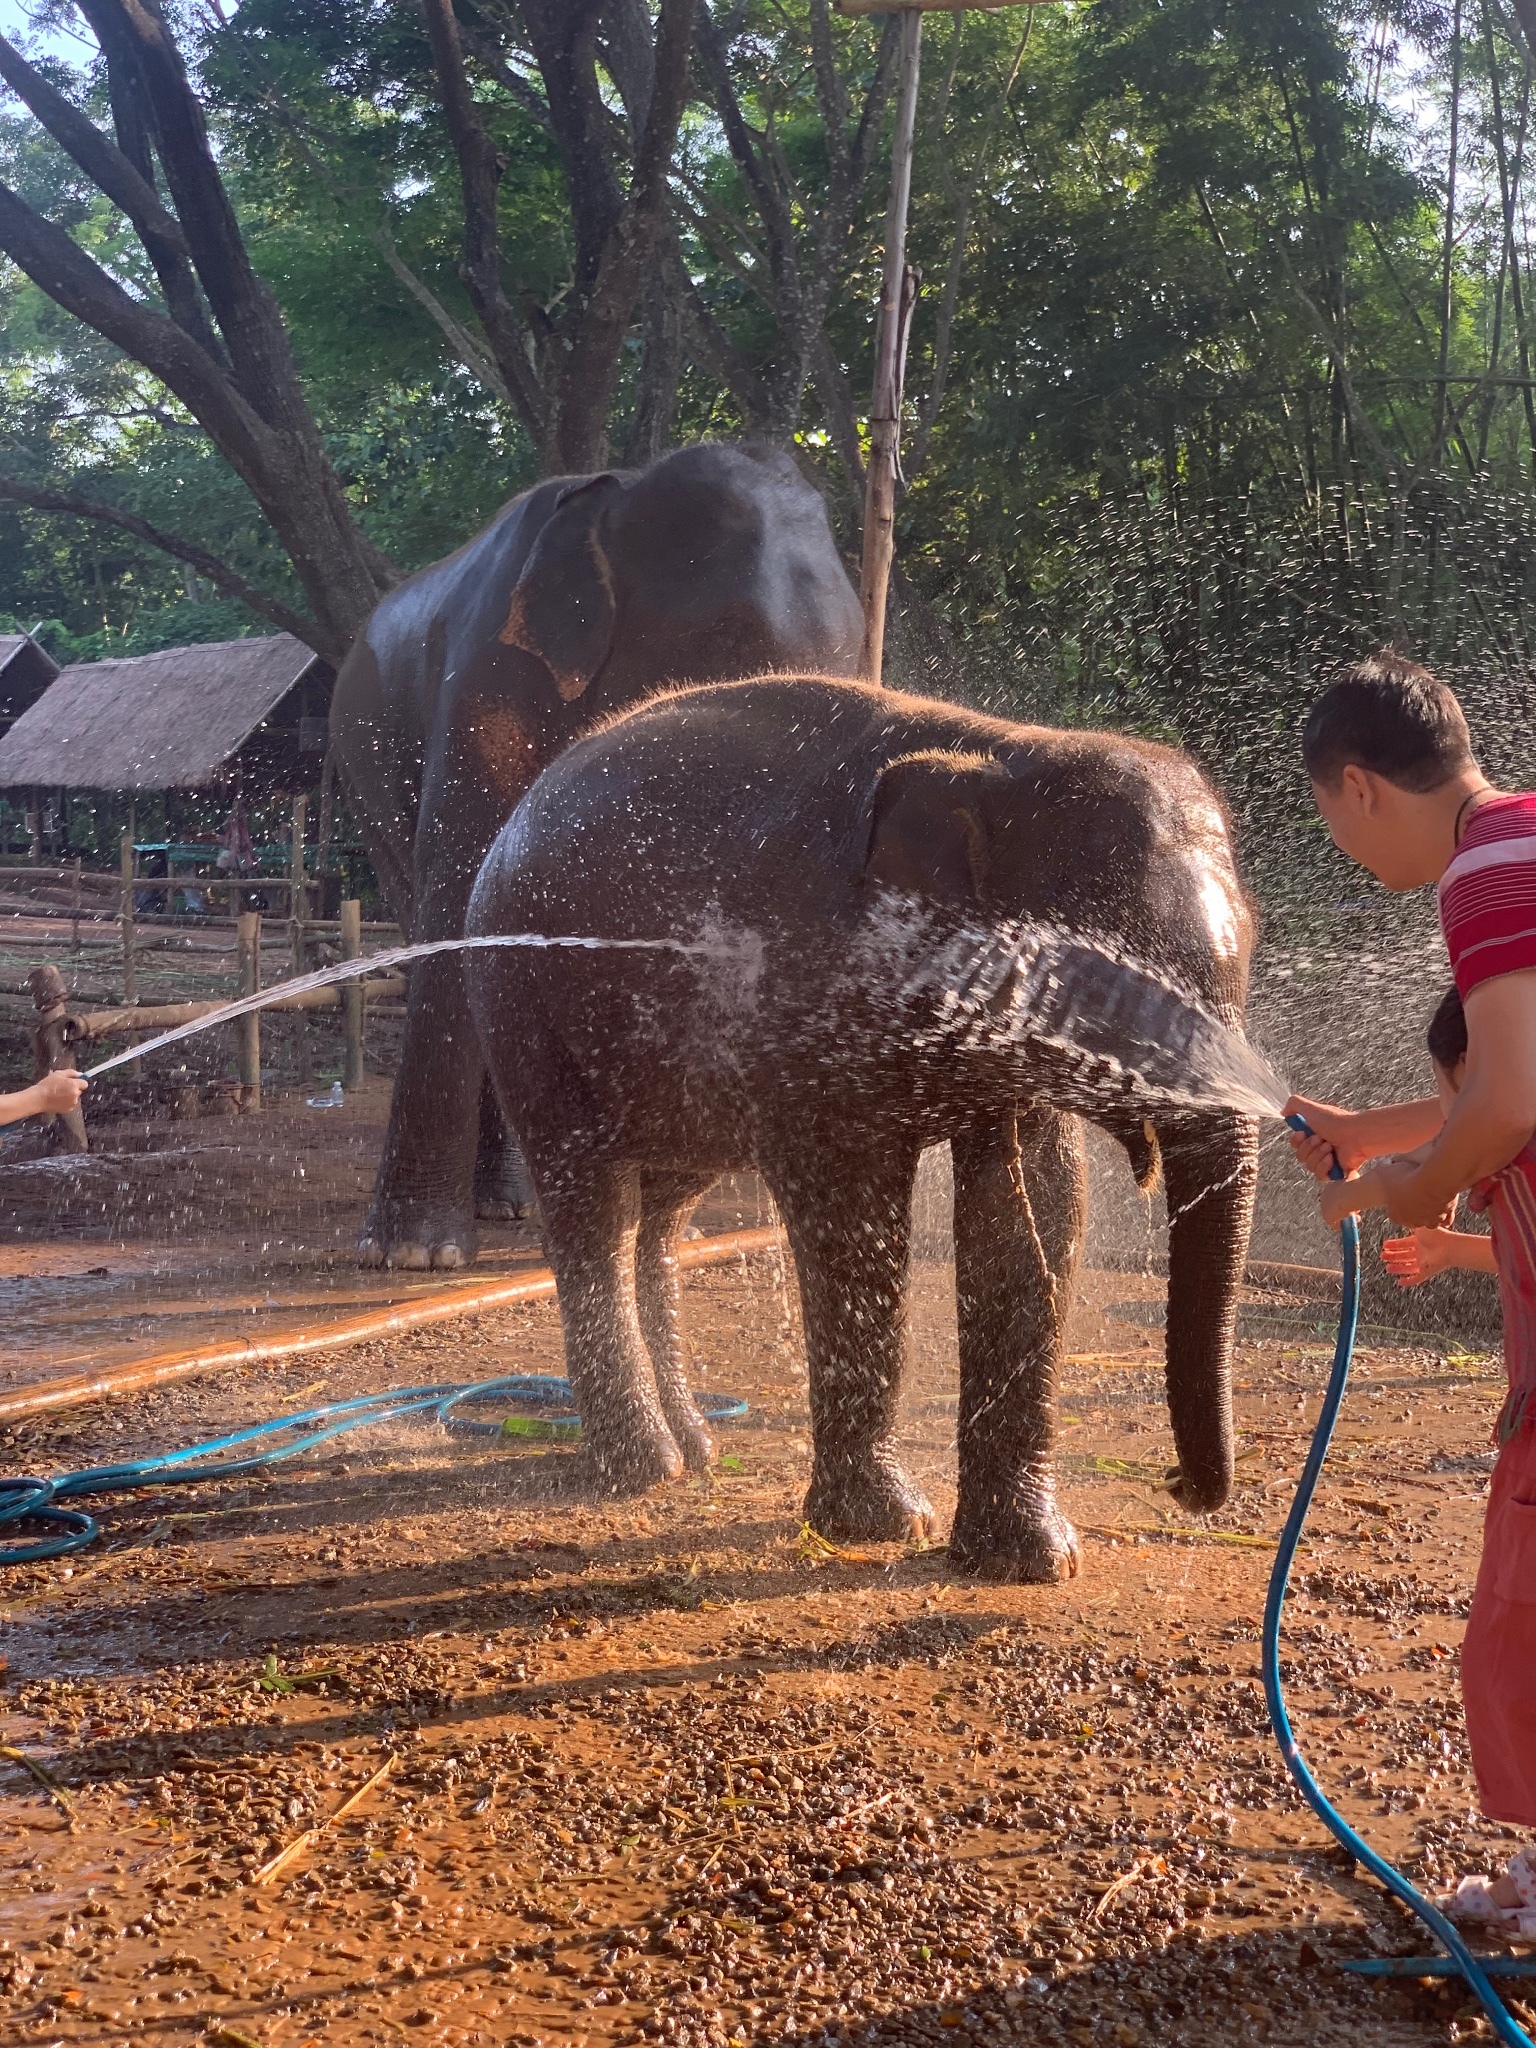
{"points": [[55, 1095], [1419, 1256], [1356, 1135]]}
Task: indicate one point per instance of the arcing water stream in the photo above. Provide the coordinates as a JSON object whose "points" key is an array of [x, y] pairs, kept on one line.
{"points": [[1130, 1026], [395, 956]]}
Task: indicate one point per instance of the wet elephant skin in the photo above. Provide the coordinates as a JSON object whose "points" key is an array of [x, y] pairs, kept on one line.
{"points": [[580, 598], [827, 842]]}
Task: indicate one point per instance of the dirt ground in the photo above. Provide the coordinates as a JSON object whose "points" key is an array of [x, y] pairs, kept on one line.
{"points": [[671, 1770]]}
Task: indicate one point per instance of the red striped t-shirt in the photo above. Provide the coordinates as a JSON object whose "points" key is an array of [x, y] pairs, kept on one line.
{"points": [[1488, 893], [1509, 1199]]}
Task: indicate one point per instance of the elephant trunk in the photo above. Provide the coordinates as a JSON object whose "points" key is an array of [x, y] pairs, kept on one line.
{"points": [[1210, 1166]]}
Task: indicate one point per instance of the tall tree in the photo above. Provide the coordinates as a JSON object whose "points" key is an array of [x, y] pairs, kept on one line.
{"points": [[218, 340], [558, 367], [220, 345]]}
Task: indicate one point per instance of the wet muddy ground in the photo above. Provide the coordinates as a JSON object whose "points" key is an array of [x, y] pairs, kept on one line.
{"points": [[672, 1770]]}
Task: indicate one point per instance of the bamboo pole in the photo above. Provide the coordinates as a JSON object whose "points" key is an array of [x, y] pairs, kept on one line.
{"points": [[248, 953], [898, 288], [352, 998]]}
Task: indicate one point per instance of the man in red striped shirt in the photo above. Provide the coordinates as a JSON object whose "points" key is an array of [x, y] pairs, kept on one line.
{"points": [[1393, 774]]}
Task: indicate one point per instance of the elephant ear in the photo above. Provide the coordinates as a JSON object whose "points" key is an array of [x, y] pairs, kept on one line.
{"points": [[927, 826], [562, 606]]}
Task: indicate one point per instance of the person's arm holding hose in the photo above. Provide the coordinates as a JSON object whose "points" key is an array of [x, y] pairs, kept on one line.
{"points": [[1355, 1135], [55, 1095], [1488, 1123]]}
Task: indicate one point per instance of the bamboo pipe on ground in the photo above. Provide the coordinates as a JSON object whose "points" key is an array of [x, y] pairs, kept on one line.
{"points": [[133, 1375]]}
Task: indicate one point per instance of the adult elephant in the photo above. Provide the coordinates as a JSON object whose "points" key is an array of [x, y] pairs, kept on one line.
{"points": [[857, 874], [579, 598]]}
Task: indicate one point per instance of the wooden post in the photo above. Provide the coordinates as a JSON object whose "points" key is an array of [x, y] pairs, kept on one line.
{"points": [[74, 903], [50, 1050], [297, 888], [248, 957], [352, 1006], [898, 290], [130, 966]]}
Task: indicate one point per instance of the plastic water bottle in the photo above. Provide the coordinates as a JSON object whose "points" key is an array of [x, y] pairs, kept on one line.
{"points": [[331, 1101]]}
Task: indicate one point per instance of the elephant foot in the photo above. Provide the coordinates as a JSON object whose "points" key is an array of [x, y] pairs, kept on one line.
{"points": [[869, 1504], [503, 1190], [618, 1462], [411, 1237], [691, 1433], [1012, 1547]]}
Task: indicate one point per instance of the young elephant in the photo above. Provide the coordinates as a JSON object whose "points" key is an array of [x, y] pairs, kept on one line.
{"points": [[829, 852]]}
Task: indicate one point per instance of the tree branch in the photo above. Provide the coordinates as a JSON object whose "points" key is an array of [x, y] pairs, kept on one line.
{"points": [[841, 416], [717, 348], [631, 57], [739, 140], [480, 170], [831, 92], [516, 87], [588, 371], [463, 344], [218, 573], [1525, 14], [57, 265], [124, 183], [563, 37], [133, 33]]}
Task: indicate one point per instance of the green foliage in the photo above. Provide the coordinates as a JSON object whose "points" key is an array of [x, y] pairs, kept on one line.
{"points": [[1194, 443]]}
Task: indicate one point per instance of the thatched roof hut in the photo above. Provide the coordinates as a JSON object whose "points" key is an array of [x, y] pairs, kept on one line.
{"points": [[25, 672], [247, 713]]}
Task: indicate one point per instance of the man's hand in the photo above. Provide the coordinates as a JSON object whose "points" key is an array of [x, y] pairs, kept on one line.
{"points": [[1354, 1136], [58, 1093], [1334, 1136], [1419, 1256]]}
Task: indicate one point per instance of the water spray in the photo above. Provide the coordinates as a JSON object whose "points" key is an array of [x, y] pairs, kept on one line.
{"points": [[399, 956]]}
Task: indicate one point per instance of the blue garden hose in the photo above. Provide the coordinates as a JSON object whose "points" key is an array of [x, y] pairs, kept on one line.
{"points": [[1467, 1965], [37, 1500]]}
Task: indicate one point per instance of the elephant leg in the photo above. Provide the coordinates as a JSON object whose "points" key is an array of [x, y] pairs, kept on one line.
{"points": [[503, 1191], [591, 1225], [422, 1214], [1019, 1216], [667, 1200], [850, 1228]]}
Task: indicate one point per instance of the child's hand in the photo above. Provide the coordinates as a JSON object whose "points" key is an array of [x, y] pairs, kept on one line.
{"points": [[1419, 1256], [1340, 1198], [58, 1093]]}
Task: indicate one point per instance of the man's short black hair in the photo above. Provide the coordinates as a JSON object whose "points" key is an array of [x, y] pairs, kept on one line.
{"points": [[1389, 715], [1447, 1033]]}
